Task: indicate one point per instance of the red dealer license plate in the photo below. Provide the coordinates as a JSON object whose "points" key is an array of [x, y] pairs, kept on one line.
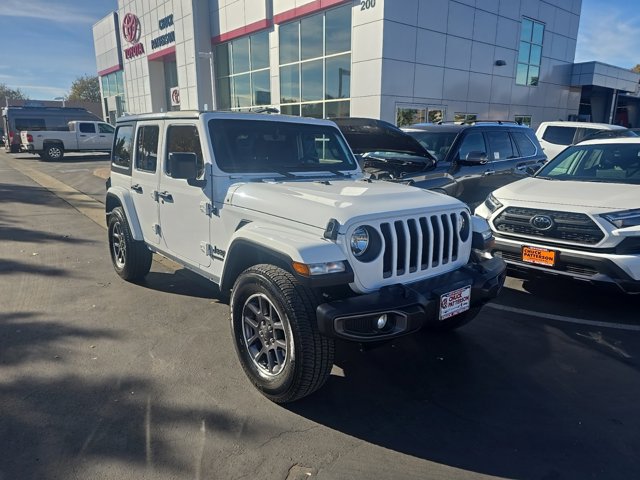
{"points": [[455, 302]]}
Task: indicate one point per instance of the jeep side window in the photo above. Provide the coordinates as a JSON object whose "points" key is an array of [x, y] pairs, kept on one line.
{"points": [[147, 148], [472, 142], [559, 135], [501, 146], [183, 139], [123, 147]]}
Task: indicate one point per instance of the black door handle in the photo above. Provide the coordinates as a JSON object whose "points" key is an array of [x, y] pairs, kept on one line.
{"points": [[166, 196], [136, 188]]}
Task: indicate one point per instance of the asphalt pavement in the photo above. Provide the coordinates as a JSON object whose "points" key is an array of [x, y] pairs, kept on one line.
{"points": [[104, 379]]}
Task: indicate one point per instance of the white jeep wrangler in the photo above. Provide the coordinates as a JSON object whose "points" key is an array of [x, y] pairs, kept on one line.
{"points": [[276, 212]]}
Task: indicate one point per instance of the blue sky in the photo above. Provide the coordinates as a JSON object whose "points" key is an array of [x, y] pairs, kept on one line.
{"points": [[46, 44]]}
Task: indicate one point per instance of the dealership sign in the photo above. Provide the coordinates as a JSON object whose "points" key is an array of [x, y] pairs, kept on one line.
{"points": [[131, 31], [165, 38], [175, 96]]}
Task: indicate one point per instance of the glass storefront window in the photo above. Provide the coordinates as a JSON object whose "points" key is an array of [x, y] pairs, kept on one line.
{"points": [[260, 50], [289, 43], [338, 77], [311, 37], [312, 110], [311, 80], [242, 73], [530, 53], [337, 31], [290, 110], [241, 91], [240, 55], [261, 88], [315, 63], [222, 55], [290, 84], [337, 109]]}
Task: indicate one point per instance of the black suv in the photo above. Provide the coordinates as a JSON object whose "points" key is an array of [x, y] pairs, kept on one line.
{"points": [[467, 161]]}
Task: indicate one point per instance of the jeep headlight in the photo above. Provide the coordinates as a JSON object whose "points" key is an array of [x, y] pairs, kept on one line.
{"points": [[359, 241], [492, 203], [365, 243], [624, 218]]}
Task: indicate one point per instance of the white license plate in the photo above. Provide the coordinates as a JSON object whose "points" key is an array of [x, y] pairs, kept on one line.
{"points": [[455, 302]]}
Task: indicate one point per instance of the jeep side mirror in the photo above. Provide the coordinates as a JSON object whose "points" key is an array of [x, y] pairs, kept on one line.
{"points": [[183, 165], [475, 158]]}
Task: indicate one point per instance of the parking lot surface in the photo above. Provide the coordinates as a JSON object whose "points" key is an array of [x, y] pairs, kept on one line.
{"points": [[105, 379]]}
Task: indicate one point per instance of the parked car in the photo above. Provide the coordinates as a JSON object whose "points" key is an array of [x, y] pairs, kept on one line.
{"points": [[556, 136], [466, 161], [82, 136], [16, 119], [276, 211], [578, 217]]}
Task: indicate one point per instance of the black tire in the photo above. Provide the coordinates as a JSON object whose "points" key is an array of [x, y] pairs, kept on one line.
{"points": [[300, 360], [53, 152], [131, 258], [453, 323]]}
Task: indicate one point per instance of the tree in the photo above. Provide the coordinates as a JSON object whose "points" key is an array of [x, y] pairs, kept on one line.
{"points": [[85, 88], [10, 93], [636, 68]]}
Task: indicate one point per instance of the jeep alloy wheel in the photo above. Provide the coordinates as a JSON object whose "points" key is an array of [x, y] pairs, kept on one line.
{"points": [[273, 322], [131, 258], [264, 334]]}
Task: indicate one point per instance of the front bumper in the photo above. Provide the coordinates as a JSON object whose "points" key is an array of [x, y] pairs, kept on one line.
{"points": [[596, 268], [408, 307]]}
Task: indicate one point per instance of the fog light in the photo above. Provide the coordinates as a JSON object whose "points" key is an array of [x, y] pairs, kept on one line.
{"points": [[382, 321]]}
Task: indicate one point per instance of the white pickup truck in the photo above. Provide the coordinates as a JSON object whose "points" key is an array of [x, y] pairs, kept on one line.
{"points": [[82, 136]]}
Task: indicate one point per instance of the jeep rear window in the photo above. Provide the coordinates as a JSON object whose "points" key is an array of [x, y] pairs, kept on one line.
{"points": [[249, 146]]}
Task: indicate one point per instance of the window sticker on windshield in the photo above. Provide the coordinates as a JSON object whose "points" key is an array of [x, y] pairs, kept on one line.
{"points": [[496, 155]]}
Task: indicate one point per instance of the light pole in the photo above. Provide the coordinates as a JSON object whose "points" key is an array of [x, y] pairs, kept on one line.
{"points": [[209, 55], [61, 99]]}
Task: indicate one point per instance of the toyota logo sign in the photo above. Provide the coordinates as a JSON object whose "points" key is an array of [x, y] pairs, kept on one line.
{"points": [[131, 28], [542, 222]]}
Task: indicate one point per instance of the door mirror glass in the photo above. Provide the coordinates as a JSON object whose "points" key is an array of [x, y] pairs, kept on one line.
{"points": [[183, 165]]}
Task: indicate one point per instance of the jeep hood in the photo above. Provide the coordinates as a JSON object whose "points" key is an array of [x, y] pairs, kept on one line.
{"points": [[595, 195], [315, 203]]}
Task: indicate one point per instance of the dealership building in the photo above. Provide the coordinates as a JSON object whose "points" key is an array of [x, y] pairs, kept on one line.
{"points": [[402, 61]]}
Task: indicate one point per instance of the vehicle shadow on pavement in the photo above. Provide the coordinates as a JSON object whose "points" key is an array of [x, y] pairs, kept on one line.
{"points": [[57, 425], [182, 282], [483, 406]]}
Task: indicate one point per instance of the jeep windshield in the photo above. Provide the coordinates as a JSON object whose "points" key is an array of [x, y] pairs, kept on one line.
{"points": [[602, 162], [259, 146]]}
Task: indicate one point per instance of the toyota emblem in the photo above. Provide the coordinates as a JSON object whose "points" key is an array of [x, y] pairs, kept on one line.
{"points": [[542, 222], [131, 28]]}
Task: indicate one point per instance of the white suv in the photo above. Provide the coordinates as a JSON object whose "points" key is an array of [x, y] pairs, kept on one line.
{"points": [[556, 136], [578, 217], [276, 212]]}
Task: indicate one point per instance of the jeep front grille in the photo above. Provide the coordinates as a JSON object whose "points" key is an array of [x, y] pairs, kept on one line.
{"points": [[568, 227], [420, 243]]}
